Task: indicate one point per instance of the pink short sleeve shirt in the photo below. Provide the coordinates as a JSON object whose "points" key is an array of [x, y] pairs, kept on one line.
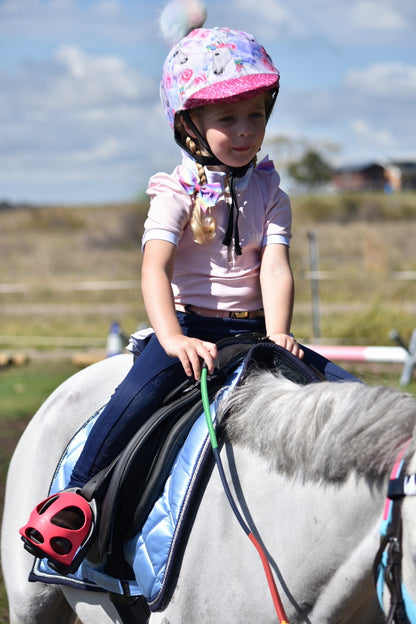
{"points": [[210, 275]]}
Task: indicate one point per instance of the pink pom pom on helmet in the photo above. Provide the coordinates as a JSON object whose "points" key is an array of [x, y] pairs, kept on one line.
{"points": [[179, 17]]}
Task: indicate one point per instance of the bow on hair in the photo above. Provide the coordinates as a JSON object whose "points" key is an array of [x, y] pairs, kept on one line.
{"points": [[207, 194]]}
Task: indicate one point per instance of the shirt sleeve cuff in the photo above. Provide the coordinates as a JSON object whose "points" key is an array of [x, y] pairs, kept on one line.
{"points": [[159, 234], [275, 239]]}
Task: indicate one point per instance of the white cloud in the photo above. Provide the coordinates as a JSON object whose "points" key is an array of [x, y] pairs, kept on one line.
{"points": [[379, 137], [106, 149], [267, 19], [19, 14], [107, 7], [338, 22], [386, 80], [84, 80], [377, 15]]}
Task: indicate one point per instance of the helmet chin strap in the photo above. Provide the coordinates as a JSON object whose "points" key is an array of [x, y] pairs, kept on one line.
{"points": [[235, 172]]}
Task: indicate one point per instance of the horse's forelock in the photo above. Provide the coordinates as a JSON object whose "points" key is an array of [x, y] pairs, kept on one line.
{"points": [[321, 430]]}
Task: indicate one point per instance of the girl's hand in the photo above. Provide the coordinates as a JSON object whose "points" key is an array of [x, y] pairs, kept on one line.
{"points": [[287, 342], [191, 353]]}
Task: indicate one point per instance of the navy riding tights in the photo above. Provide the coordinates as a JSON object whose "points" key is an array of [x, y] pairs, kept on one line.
{"points": [[153, 375]]}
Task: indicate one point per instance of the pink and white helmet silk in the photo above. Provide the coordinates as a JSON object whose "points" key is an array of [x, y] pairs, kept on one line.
{"points": [[213, 64]]}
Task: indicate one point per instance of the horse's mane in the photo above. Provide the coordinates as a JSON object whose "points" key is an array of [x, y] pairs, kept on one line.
{"points": [[321, 430]]}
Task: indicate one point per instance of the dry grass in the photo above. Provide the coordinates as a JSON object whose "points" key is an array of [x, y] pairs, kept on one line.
{"points": [[43, 245], [362, 298], [360, 252], [47, 248]]}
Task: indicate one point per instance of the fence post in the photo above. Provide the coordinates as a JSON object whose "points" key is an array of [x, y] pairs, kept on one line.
{"points": [[410, 361], [314, 265]]}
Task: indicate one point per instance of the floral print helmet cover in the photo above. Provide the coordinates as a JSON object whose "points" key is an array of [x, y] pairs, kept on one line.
{"points": [[212, 64]]}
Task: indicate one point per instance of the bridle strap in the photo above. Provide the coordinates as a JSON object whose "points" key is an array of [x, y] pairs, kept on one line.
{"points": [[389, 555], [393, 573]]}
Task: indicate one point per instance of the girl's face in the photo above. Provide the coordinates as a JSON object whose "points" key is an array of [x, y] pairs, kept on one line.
{"points": [[235, 130]]}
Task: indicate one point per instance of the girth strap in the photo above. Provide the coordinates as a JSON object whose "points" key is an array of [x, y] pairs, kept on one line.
{"points": [[132, 610]]}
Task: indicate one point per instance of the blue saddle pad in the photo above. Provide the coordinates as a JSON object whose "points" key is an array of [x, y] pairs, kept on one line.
{"points": [[152, 551]]}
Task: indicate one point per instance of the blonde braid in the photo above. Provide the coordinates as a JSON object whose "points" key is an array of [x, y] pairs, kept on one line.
{"points": [[203, 225]]}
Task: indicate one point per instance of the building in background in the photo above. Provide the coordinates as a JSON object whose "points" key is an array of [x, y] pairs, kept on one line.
{"points": [[386, 177]]}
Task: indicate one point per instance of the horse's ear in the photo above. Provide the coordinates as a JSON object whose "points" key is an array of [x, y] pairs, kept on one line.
{"points": [[269, 356]]}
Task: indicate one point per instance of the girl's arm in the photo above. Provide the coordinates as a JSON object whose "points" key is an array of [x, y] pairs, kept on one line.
{"points": [[157, 270], [277, 289]]}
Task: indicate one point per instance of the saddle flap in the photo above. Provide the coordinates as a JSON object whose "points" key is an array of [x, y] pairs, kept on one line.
{"points": [[152, 451]]}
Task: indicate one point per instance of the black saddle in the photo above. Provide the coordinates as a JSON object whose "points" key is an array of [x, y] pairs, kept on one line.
{"points": [[129, 487]]}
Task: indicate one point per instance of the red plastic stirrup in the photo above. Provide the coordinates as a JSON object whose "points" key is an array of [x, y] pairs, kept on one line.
{"points": [[59, 525]]}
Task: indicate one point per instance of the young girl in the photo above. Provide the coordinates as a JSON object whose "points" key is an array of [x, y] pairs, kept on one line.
{"points": [[216, 240]]}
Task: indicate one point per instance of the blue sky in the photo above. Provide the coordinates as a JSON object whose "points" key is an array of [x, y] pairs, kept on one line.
{"points": [[80, 117]]}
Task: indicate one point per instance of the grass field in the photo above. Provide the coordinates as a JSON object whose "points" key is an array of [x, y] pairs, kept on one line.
{"points": [[367, 259]]}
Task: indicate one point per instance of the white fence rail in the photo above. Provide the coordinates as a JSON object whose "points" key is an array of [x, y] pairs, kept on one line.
{"points": [[401, 353]]}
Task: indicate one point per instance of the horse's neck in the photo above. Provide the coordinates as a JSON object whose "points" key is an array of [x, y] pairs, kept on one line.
{"points": [[323, 537]]}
